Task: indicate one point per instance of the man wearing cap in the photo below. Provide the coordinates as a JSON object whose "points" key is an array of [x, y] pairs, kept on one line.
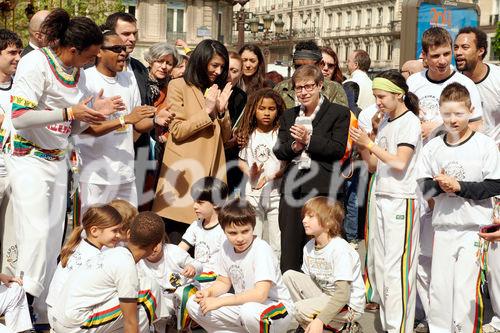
{"points": [[308, 53]]}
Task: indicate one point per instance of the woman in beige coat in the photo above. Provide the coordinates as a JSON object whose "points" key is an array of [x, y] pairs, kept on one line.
{"points": [[195, 144]]}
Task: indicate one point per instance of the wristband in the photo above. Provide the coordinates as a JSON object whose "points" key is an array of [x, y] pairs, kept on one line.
{"points": [[122, 121], [70, 116], [370, 145]]}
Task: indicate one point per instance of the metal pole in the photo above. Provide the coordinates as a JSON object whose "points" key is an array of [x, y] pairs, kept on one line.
{"points": [[290, 40], [241, 27]]}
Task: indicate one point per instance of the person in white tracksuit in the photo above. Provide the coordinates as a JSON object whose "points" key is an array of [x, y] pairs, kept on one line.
{"points": [[393, 156]]}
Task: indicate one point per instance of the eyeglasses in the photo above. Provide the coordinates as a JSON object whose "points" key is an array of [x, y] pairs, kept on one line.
{"points": [[323, 64], [307, 87], [115, 48]]}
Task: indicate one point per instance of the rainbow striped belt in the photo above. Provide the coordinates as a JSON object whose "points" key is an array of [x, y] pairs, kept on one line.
{"points": [[24, 147]]}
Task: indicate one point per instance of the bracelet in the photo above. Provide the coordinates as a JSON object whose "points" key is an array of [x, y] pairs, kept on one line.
{"points": [[122, 121], [70, 115], [370, 145]]}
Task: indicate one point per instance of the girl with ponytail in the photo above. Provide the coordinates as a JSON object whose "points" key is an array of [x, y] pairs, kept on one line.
{"points": [[101, 226], [393, 157], [49, 103]]}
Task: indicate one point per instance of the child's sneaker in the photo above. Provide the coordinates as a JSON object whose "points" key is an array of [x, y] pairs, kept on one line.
{"points": [[487, 328]]}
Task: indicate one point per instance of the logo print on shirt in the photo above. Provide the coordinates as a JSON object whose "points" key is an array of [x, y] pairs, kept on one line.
{"points": [[455, 169]]}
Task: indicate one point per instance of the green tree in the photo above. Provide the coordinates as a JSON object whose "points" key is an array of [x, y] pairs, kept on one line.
{"points": [[17, 20]]}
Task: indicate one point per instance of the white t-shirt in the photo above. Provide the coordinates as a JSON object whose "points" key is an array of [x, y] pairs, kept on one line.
{"points": [[41, 85], [109, 159], [429, 91], [365, 84], [167, 271], [83, 252], [489, 90], [400, 131], [260, 150], [365, 118], [474, 160], [206, 243], [5, 110], [337, 261], [108, 275], [257, 263]]}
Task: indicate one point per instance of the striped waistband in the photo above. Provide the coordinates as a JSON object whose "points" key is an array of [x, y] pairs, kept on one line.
{"points": [[24, 147]]}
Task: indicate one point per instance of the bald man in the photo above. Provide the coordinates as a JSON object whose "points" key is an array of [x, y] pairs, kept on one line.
{"points": [[37, 39], [411, 67]]}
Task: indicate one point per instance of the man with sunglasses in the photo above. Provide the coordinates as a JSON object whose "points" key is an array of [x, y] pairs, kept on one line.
{"points": [[107, 150], [308, 53]]}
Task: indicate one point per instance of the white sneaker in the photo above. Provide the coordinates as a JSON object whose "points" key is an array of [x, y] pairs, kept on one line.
{"points": [[422, 327], [487, 328], [355, 244]]}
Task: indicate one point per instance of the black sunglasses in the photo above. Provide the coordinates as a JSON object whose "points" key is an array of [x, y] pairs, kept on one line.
{"points": [[115, 48]]}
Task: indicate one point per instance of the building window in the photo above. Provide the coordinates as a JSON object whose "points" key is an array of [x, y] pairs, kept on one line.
{"points": [[368, 48], [339, 20], [175, 20], [348, 20], [389, 51], [358, 18], [379, 47], [346, 51], [330, 21], [369, 17], [379, 19], [391, 13]]}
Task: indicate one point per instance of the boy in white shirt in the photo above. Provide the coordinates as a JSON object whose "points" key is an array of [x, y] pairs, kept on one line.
{"points": [[103, 295], [205, 234], [330, 292], [249, 266], [171, 270], [461, 171]]}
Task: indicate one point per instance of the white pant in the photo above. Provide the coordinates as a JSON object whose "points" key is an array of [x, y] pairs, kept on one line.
{"points": [[9, 246], [395, 260], [105, 318], [250, 317], [494, 282], [14, 307], [267, 226], [370, 225], [96, 194], [455, 294], [39, 197], [425, 261]]}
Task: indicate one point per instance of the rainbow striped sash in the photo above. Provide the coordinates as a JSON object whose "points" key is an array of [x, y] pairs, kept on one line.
{"points": [[183, 319], [24, 147], [102, 317], [273, 312], [147, 300], [206, 277]]}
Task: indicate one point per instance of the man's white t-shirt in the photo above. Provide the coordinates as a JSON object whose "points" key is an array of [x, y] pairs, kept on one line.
{"points": [[257, 263], [337, 261], [473, 160], [365, 118], [206, 243], [110, 274], [489, 90], [429, 91], [260, 150], [109, 159], [393, 133], [364, 82]]}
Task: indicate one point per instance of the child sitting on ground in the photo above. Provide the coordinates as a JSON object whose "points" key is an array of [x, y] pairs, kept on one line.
{"points": [[330, 292], [248, 265], [205, 234], [103, 294], [170, 269]]}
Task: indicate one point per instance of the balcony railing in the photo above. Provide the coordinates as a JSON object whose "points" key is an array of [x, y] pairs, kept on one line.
{"points": [[173, 36]]}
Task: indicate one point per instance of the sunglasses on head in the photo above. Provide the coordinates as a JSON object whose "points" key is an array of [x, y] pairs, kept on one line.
{"points": [[115, 48]]}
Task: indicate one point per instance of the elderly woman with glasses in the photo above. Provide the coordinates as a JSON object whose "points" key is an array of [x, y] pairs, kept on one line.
{"points": [[312, 138]]}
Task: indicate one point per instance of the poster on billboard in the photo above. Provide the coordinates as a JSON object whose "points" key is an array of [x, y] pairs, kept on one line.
{"points": [[450, 17]]}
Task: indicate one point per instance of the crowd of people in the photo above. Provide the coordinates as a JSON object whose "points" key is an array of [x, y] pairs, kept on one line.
{"points": [[207, 192]]}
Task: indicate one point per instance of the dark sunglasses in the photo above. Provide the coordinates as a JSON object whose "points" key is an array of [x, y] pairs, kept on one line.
{"points": [[115, 48], [323, 64]]}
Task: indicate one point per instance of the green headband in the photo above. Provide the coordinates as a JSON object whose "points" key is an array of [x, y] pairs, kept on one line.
{"points": [[386, 85]]}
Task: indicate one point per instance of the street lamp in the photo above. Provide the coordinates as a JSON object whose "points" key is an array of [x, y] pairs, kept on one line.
{"points": [[241, 21], [279, 24], [254, 25], [268, 20]]}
